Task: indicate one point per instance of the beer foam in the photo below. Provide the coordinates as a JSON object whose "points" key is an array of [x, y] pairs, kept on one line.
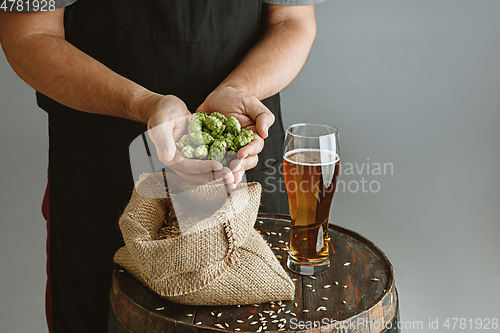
{"points": [[326, 157]]}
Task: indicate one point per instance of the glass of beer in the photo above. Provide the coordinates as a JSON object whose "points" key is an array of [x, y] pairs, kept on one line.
{"points": [[311, 166]]}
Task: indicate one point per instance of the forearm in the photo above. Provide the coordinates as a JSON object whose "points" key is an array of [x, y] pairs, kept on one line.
{"points": [[276, 59], [57, 69]]}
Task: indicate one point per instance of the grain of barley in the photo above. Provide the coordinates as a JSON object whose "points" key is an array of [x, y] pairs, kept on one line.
{"points": [[327, 286], [347, 263], [219, 326], [198, 323], [159, 309], [254, 322], [250, 317]]}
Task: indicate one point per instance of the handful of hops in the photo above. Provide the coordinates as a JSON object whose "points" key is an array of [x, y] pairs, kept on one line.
{"points": [[215, 137]]}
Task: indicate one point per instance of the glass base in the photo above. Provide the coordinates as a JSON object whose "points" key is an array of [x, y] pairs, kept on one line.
{"points": [[307, 269]]}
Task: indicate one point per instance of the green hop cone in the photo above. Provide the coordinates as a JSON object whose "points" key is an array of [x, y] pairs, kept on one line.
{"points": [[229, 138], [194, 127], [188, 151], [217, 150], [233, 125], [219, 144], [198, 139], [216, 154], [245, 137], [198, 117], [213, 124], [201, 152], [225, 162], [219, 116], [207, 139]]}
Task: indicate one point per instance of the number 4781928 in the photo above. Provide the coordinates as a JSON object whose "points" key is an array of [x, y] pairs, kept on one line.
{"points": [[28, 5]]}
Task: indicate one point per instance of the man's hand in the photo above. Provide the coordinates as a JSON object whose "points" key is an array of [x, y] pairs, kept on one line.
{"points": [[252, 115], [167, 123]]}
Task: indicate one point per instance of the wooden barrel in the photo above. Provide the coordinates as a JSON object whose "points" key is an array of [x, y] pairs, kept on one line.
{"points": [[356, 294]]}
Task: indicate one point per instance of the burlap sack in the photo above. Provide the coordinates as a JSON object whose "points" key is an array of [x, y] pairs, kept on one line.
{"points": [[211, 255]]}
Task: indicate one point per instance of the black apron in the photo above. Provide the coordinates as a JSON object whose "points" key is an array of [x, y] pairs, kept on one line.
{"points": [[185, 48]]}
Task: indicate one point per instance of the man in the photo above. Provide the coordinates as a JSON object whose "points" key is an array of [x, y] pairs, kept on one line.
{"points": [[103, 70]]}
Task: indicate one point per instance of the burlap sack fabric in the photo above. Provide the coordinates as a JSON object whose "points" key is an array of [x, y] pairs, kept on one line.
{"points": [[210, 254]]}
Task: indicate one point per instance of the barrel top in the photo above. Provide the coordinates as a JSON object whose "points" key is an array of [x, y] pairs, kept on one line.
{"points": [[358, 286]]}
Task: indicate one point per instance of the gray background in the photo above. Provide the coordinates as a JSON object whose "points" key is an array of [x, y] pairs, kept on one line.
{"points": [[412, 83]]}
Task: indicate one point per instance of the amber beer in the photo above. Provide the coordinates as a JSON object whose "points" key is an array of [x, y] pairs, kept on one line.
{"points": [[310, 179]]}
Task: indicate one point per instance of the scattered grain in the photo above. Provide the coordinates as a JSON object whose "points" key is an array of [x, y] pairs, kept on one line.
{"points": [[159, 309], [347, 263]]}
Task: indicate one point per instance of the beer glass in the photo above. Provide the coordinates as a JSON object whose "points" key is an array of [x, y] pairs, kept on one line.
{"points": [[311, 162]]}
